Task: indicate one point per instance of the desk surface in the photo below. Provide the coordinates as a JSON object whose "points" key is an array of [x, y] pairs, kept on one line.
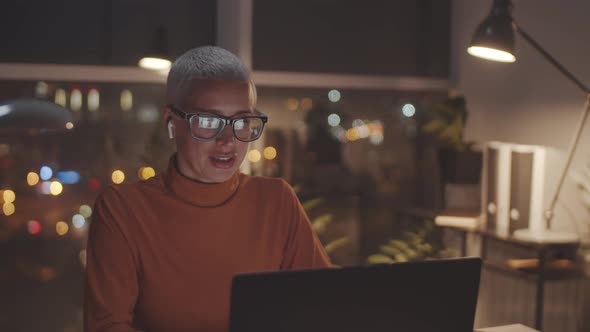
{"points": [[431, 214]]}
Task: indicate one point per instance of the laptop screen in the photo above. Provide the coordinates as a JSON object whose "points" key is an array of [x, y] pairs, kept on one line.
{"points": [[429, 296]]}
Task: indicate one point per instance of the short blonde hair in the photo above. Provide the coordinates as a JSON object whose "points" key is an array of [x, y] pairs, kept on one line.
{"points": [[205, 62]]}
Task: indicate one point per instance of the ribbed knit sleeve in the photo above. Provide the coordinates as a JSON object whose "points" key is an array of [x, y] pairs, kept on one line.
{"points": [[111, 270]]}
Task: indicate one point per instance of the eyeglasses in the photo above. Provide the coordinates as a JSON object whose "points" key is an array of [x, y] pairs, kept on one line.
{"points": [[206, 126]]}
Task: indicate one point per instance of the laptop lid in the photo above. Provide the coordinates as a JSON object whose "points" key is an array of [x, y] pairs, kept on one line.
{"points": [[428, 296]]}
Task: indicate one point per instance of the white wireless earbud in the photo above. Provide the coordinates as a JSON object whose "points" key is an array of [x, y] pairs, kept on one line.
{"points": [[170, 130]]}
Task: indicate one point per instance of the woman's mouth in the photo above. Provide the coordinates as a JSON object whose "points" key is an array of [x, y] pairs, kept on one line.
{"points": [[222, 161]]}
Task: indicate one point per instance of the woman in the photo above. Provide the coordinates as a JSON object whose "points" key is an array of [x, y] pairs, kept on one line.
{"points": [[162, 252]]}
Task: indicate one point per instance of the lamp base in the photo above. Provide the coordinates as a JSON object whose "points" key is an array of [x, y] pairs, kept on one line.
{"points": [[546, 236]]}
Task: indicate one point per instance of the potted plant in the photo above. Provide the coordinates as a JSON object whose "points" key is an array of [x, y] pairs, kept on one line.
{"points": [[332, 241], [457, 162], [413, 246]]}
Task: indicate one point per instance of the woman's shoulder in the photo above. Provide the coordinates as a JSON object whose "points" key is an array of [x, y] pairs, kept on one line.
{"points": [[130, 190]]}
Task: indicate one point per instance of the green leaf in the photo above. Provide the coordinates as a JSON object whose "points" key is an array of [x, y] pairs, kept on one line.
{"points": [[425, 248], [399, 244], [312, 203], [321, 222], [411, 254], [434, 126], [401, 258], [379, 259], [390, 250], [335, 244]]}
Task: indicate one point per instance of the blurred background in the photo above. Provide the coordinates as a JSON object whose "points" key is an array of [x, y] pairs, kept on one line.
{"points": [[377, 117]]}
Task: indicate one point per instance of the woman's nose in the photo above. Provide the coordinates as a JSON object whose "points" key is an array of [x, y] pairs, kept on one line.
{"points": [[227, 135]]}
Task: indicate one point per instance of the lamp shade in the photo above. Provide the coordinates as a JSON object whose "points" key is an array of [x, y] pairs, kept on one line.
{"points": [[494, 37], [32, 117]]}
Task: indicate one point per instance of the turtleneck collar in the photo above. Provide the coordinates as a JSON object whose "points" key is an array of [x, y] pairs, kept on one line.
{"points": [[199, 193]]}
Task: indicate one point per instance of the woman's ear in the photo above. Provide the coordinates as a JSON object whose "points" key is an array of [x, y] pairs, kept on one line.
{"points": [[167, 116], [170, 127]]}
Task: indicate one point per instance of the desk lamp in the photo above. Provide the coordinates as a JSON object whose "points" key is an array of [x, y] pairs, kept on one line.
{"points": [[494, 40]]}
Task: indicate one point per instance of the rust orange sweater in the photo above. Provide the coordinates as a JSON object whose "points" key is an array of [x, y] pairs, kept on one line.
{"points": [[161, 253]]}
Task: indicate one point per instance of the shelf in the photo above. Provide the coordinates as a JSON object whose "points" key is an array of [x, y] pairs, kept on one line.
{"points": [[532, 275], [526, 244], [512, 240]]}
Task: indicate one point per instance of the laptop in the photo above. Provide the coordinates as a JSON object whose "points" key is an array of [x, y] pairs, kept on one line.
{"points": [[429, 296]]}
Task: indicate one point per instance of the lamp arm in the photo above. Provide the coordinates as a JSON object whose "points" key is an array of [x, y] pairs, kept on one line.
{"points": [[581, 123], [570, 155], [550, 58]]}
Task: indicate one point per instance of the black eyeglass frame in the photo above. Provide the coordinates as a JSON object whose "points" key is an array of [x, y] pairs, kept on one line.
{"points": [[225, 121]]}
